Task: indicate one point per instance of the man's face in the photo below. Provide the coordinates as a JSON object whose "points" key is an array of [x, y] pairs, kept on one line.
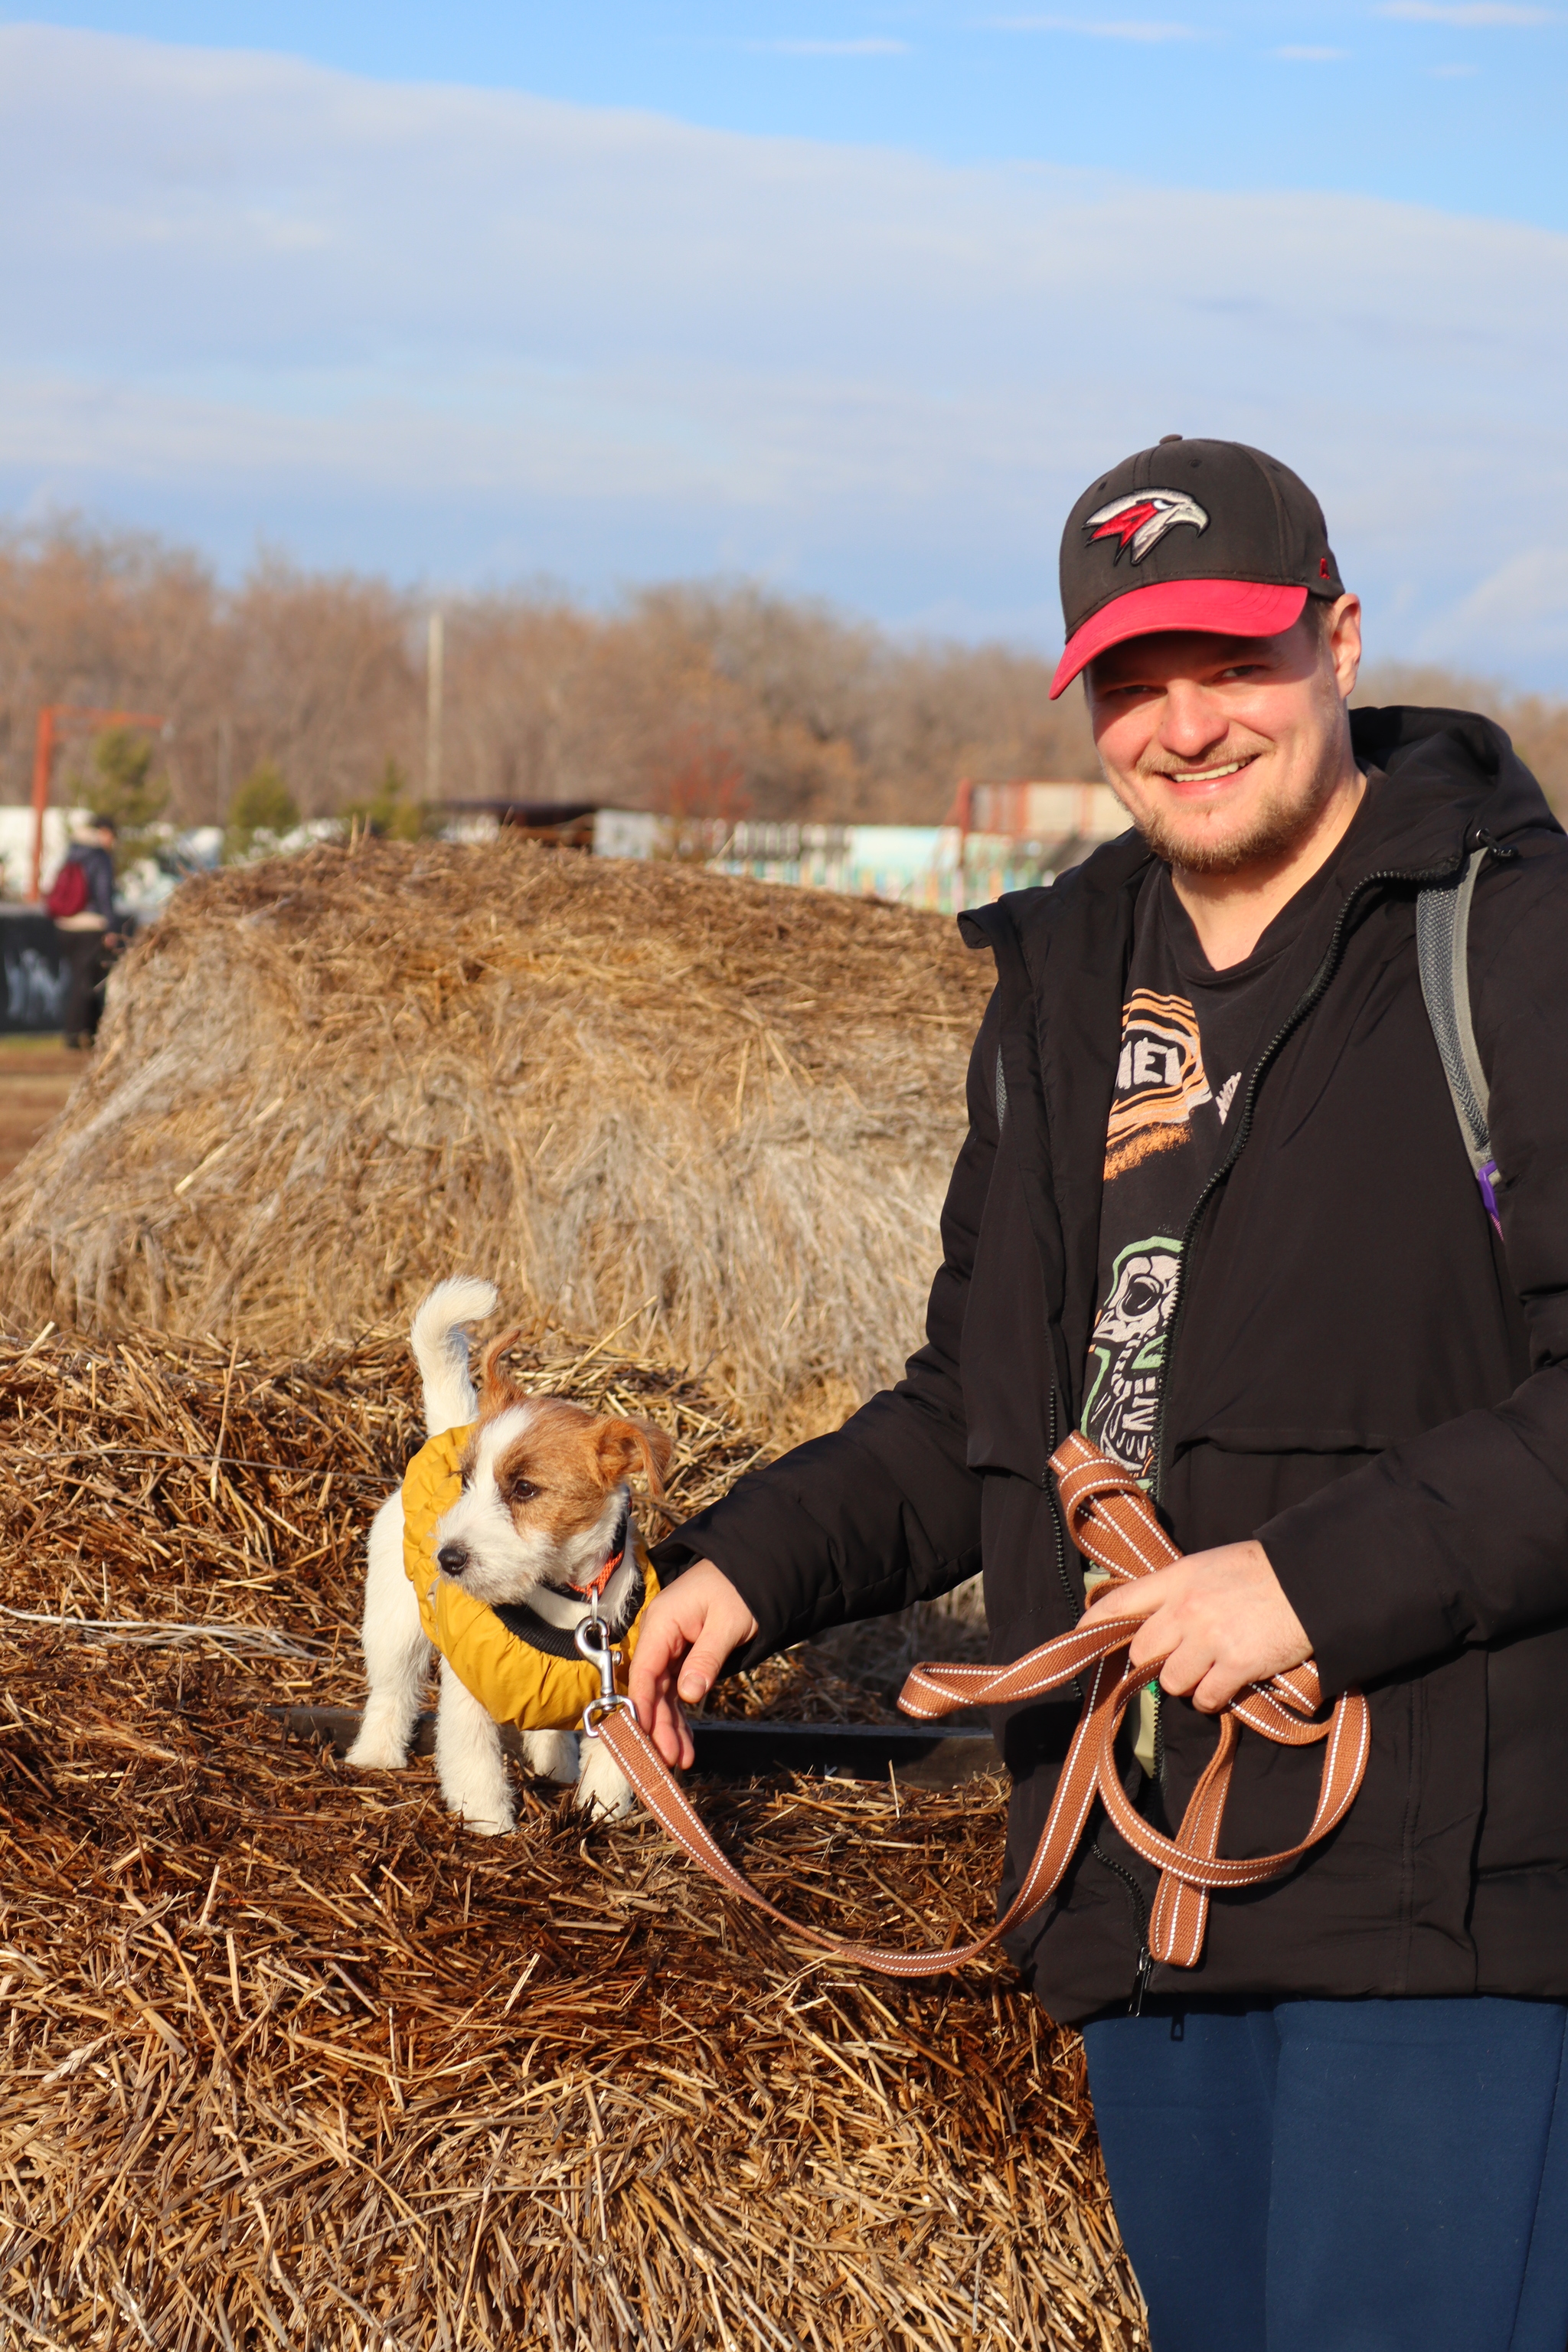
{"points": [[1222, 751]]}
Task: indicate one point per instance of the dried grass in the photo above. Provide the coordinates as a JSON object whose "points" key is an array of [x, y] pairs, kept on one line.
{"points": [[717, 1114], [291, 2061]]}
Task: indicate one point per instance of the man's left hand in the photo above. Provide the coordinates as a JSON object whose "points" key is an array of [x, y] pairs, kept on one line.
{"points": [[1219, 1619]]}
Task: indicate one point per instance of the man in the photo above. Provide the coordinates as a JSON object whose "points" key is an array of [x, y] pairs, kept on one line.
{"points": [[1215, 1209], [81, 902]]}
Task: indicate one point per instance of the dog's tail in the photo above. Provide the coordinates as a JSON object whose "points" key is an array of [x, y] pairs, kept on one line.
{"points": [[440, 1336]]}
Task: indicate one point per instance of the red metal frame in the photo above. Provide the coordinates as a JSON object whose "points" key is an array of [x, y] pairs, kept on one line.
{"points": [[53, 719]]}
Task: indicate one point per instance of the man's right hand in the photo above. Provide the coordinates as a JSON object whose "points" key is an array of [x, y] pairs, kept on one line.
{"points": [[689, 1629]]}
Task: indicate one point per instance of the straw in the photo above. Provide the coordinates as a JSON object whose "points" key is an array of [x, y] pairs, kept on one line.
{"points": [[291, 2060], [716, 1114]]}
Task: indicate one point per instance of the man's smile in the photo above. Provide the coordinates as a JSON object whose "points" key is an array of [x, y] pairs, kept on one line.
{"points": [[1205, 775]]}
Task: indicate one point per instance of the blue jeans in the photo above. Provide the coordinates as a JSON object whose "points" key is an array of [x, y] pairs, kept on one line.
{"points": [[1341, 2175]]}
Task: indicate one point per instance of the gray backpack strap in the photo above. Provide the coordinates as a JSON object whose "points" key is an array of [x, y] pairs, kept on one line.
{"points": [[1001, 1093], [1442, 949]]}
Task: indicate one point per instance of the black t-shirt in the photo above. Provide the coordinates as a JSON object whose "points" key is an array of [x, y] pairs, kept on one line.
{"points": [[1189, 1037]]}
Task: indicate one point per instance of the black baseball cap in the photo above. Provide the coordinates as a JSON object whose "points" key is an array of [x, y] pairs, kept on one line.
{"points": [[1190, 535]]}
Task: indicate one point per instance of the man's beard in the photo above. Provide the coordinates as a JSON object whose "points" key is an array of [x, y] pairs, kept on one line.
{"points": [[1271, 830]]}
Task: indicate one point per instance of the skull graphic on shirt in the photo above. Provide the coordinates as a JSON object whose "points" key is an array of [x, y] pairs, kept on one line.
{"points": [[1128, 1347]]}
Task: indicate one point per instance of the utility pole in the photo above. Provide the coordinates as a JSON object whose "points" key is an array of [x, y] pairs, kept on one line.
{"points": [[435, 664]]}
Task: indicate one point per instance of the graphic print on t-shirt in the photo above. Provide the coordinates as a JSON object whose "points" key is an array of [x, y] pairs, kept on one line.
{"points": [[1165, 1134], [1128, 1349], [1160, 1142], [1160, 1080]]}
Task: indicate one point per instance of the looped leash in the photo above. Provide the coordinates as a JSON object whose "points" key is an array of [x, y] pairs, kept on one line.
{"points": [[1112, 1522]]}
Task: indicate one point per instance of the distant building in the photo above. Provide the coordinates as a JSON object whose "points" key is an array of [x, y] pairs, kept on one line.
{"points": [[1040, 812], [16, 828], [998, 838]]}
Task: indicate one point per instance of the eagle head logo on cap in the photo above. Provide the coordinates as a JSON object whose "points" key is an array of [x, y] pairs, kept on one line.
{"points": [[1144, 517]]}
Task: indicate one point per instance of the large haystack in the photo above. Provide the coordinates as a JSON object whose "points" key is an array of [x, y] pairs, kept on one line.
{"points": [[291, 2060], [715, 1115]]}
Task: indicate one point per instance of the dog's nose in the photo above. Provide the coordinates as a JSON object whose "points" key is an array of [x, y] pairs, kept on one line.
{"points": [[452, 1559]]}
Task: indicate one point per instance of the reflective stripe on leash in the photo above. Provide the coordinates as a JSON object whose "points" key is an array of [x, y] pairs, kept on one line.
{"points": [[1112, 1523]]}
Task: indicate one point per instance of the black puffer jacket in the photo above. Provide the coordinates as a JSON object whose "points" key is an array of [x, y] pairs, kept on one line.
{"points": [[98, 869], [1359, 1374]]}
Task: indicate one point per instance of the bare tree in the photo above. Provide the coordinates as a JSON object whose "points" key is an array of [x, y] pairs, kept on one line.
{"points": [[708, 699]]}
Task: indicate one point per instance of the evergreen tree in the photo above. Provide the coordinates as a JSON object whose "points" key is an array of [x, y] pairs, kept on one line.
{"points": [[387, 814], [119, 782]]}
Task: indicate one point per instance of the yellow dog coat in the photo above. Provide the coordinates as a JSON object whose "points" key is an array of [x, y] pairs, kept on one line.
{"points": [[514, 1681]]}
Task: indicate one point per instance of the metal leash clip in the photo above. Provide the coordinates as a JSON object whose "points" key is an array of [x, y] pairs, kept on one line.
{"points": [[600, 1652]]}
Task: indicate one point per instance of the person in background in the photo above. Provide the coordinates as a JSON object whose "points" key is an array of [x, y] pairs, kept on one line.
{"points": [[81, 904]]}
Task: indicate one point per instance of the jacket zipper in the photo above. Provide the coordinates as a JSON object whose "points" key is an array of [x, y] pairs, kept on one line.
{"points": [[1049, 1484], [1140, 1912], [1309, 997]]}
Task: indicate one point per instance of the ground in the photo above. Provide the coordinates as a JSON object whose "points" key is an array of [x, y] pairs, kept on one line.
{"points": [[36, 1073], [291, 2060]]}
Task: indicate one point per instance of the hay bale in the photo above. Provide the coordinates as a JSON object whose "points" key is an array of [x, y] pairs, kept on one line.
{"points": [[290, 2060], [716, 1114]]}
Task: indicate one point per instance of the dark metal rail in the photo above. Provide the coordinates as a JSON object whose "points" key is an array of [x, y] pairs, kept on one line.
{"points": [[744, 1750]]}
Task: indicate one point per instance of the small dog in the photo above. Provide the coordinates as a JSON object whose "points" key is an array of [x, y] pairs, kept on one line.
{"points": [[542, 1529]]}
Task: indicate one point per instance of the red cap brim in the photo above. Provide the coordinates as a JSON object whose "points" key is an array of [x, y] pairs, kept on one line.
{"points": [[1225, 608]]}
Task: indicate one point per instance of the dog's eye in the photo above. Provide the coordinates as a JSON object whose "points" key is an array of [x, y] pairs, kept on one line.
{"points": [[520, 1491]]}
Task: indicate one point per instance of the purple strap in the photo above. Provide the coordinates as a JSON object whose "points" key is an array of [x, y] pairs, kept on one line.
{"points": [[1486, 1177]]}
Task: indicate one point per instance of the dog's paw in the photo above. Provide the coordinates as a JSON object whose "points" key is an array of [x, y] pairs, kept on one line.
{"points": [[551, 1754], [378, 1750], [602, 1787], [487, 1821], [483, 1801], [488, 1826]]}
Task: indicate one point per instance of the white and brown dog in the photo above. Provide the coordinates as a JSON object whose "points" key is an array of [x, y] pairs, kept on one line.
{"points": [[542, 1532]]}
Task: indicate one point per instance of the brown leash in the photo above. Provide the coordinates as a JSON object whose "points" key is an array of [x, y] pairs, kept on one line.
{"points": [[1112, 1524]]}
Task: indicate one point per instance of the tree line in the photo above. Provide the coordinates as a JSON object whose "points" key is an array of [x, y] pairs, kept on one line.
{"points": [[308, 691]]}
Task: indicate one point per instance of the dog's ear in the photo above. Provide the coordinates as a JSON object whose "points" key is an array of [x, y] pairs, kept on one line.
{"points": [[495, 1389], [623, 1444]]}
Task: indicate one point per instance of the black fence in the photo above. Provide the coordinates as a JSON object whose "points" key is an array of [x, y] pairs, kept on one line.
{"points": [[34, 971]]}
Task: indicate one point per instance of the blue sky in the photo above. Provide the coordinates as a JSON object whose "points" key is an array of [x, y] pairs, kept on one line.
{"points": [[854, 300], [1435, 101]]}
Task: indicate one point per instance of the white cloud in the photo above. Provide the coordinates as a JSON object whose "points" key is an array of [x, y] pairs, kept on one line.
{"points": [[1125, 29], [872, 47], [1524, 603], [1312, 57], [1465, 13], [472, 334]]}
